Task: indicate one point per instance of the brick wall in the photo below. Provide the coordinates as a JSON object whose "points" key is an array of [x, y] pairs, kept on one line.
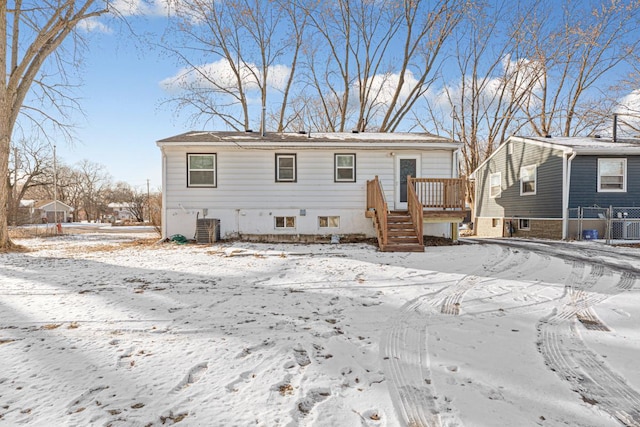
{"points": [[541, 229], [484, 227]]}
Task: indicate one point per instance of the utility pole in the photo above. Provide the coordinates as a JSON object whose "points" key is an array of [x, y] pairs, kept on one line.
{"points": [[148, 202], [55, 191]]}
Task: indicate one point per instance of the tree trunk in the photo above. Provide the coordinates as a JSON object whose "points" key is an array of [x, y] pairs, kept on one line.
{"points": [[5, 140]]}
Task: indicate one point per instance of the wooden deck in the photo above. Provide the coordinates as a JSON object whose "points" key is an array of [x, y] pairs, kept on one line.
{"points": [[429, 200]]}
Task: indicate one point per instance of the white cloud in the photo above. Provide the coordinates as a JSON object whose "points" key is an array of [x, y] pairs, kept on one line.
{"points": [[220, 76], [93, 25], [384, 86], [141, 7], [629, 111]]}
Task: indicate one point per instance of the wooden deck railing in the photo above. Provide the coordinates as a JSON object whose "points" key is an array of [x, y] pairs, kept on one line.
{"points": [[443, 193], [377, 202], [415, 210]]}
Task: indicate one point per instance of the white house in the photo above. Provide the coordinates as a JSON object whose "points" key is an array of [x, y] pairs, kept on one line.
{"points": [[296, 186], [121, 211], [34, 211]]}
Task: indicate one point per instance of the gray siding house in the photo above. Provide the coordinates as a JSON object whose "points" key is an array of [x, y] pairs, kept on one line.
{"points": [[528, 186]]}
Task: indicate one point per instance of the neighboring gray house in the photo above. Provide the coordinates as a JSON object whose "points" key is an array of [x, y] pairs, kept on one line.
{"points": [[530, 186]]}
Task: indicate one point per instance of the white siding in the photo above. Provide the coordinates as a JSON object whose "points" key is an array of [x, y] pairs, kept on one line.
{"points": [[247, 198]]}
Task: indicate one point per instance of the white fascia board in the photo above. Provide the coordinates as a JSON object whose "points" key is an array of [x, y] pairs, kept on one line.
{"points": [[318, 145], [622, 151]]}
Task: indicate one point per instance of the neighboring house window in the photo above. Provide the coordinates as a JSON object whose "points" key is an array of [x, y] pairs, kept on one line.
{"points": [[495, 183], [528, 180], [329, 221], [345, 167], [285, 222], [612, 174], [201, 170], [523, 224], [285, 168]]}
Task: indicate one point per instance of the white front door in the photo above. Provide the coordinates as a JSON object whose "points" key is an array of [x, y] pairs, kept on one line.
{"points": [[405, 165]]}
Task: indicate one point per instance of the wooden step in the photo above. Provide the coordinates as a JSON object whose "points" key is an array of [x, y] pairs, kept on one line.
{"points": [[409, 232], [401, 234], [391, 247]]}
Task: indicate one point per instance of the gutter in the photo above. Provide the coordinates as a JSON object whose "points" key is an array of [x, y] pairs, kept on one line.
{"points": [[566, 165]]}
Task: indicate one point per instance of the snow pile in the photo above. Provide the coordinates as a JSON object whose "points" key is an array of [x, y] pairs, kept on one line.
{"points": [[485, 334]]}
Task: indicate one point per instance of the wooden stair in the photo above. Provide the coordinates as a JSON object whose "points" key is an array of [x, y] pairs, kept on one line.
{"points": [[401, 234]]}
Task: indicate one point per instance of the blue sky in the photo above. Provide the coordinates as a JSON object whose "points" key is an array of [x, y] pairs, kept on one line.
{"points": [[120, 96]]}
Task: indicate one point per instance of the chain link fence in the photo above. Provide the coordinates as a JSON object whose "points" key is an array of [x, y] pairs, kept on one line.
{"points": [[612, 223]]}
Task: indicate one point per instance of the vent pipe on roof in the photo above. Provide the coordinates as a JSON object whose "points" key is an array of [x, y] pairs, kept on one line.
{"points": [[615, 128]]}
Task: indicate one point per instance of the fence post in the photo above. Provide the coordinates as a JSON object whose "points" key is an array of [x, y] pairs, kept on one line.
{"points": [[580, 216], [609, 224]]}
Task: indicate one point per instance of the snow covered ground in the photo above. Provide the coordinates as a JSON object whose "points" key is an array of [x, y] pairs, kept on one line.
{"points": [[98, 330]]}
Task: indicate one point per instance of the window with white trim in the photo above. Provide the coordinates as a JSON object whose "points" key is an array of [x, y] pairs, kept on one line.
{"points": [[201, 170], [345, 168], [285, 168], [285, 221], [524, 224], [495, 185], [329, 221], [612, 175], [528, 184]]}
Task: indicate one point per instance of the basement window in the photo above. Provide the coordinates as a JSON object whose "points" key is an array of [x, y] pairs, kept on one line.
{"points": [[285, 222], [524, 224], [329, 221]]}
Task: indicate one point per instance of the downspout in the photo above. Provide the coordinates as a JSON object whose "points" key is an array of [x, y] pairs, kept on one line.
{"points": [[163, 217], [565, 194]]}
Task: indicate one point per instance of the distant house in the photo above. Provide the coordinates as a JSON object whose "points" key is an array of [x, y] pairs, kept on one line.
{"points": [[121, 212], [540, 187], [306, 187], [50, 211]]}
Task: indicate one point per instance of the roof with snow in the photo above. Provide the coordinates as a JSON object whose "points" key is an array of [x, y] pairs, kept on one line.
{"points": [[306, 139], [589, 145]]}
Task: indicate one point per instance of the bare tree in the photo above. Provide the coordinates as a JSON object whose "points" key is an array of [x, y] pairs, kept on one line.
{"points": [[94, 181], [231, 51], [369, 62], [69, 188], [481, 106], [31, 166], [30, 32], [133, 200], [574, 56]]}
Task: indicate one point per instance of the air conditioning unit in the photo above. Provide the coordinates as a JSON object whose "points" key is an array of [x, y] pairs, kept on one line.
{"points": [[207, 230]]}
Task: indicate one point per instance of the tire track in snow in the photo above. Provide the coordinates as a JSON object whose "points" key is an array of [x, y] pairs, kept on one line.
{"points": [[567, 355], [406, 365]]}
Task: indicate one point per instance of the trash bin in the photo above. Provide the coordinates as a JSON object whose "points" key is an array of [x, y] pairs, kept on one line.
{"points": [[589, 234]]}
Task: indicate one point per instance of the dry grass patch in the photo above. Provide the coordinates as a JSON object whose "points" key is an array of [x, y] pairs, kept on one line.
{"points": [[51, 326], [32, 232], [118, 246]]}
